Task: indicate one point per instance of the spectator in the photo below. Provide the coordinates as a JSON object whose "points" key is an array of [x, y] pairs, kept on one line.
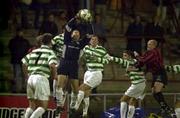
{"points": [[130, 6], [24, 6], [61, 20], [177, 8], [12, 21], [175, 49], [5, 10], [176, 4], [153, 30], [18, 47], [100, 7], [134, 35], [49, 26], [161, 9], [38, 6], [1, 49], [99, 29]]}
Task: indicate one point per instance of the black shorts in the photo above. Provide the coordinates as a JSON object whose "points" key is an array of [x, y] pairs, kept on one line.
{"points": [[160, 77], [69, 68]]}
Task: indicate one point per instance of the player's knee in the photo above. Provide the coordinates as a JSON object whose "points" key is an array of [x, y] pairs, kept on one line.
{"points": [[132, 101], [124, 99], [158, 86], [156, 89]]}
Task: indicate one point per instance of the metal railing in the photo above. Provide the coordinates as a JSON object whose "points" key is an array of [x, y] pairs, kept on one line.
{"points": [[104, 98], [105, 95]]}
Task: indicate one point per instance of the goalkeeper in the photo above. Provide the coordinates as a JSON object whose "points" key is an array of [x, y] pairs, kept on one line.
{"points": [[77, 34]]}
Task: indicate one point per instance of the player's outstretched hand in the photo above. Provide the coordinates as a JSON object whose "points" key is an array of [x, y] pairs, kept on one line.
{"points": [[136, 54]]}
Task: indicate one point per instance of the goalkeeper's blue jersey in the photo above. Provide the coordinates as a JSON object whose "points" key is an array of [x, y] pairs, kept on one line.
{"points": [[72, 49]]}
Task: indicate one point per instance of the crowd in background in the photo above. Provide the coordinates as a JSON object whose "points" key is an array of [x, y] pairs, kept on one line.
{"points": [[48, 17]]}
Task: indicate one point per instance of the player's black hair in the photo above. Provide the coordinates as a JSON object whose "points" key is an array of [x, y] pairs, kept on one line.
{"points": [[46, 39], [130, 53]]}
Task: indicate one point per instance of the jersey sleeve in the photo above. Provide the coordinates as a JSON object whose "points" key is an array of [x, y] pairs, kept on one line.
{"points": [[25, 60], [173, 68], [105, 57], [68, 29], [123, 62], [52, 58]]}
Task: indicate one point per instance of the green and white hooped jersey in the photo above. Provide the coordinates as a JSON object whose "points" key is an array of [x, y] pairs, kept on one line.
{"points": [[136, 76], [38, 61], [95, 57], [58, 43], [173, 68]]}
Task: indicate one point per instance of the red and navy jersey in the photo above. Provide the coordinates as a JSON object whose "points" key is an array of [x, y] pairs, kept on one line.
{"points": [[153, 61]]}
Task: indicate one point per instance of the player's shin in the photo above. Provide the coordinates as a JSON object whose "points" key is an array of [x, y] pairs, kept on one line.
{"points": [[79, 99], [131, 111], [86, 106], [160, 99], [28, 112], [73, 99], [38, 112], [59, 96], [54, 87], [123, 109]]}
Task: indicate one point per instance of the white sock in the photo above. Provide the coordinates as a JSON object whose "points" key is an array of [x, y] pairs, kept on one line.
{"points": [[131, 111], [54, 87], [59, 97], [79, 99], [86, 106], [28, 112], [73, 99], [64, 97], [38, 112], [177, 110], [123, 110]]}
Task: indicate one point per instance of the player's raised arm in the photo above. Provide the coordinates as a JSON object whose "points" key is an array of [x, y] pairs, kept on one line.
{"points": [[104, 59]]}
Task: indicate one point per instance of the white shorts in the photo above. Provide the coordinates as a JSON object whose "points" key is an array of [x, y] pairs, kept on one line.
{"points": [[93, 78], [136, 90], [38, 87]]}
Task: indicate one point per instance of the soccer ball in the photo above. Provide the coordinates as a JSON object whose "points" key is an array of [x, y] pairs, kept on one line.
{"points": [[85, 15]]}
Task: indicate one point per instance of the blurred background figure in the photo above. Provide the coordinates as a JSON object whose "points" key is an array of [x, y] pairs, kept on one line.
{"points": [[99, 29], [100, 8], [134, 35], [61, 20], [161, 10], [177, 8], [1, 49], [40, 6], [49, 25], [18, 47], [24, 7], [153, 30], [130, 6]]}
